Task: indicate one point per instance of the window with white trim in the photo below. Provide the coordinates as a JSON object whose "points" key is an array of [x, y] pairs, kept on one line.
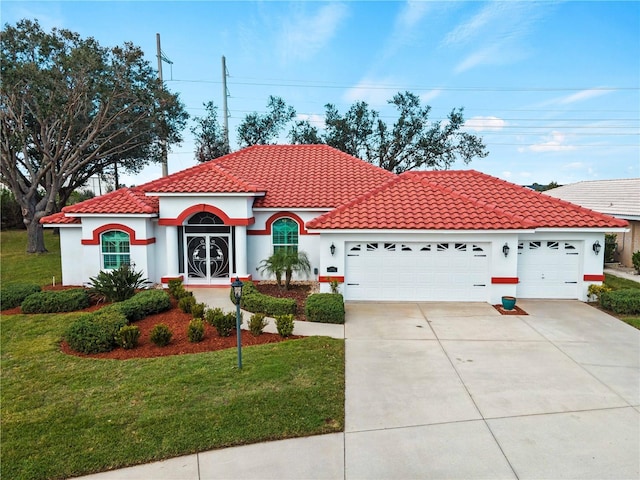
{"points": [[115, 246], [284, 235]]}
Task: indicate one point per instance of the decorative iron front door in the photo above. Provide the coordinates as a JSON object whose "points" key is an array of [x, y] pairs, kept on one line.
{"points": [[207, 256]]}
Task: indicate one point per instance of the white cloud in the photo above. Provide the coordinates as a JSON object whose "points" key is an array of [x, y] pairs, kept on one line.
{"points": [[494, 34], [583, 95], [507, 174], [556, 143], [374, 92], [314, 119], [412, 13], [483, 124], [302, 35], [430, 95]]}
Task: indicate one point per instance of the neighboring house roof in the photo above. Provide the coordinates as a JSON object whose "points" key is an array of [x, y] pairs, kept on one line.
{"points": [[620, 198], [457, 200]]}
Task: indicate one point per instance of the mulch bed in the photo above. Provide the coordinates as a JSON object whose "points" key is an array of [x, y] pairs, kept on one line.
{"points": [[177, 321], [515, 311]]}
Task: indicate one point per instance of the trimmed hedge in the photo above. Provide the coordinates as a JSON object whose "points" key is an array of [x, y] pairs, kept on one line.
{"points": [[56, 301], [325, 308], [254, 301], [621, 301], [142, 304], [96, 332], [13, 295]]}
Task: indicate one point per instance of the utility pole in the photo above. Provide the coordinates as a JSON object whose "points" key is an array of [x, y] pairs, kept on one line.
{"points": [[225, 94], [163, 141]]}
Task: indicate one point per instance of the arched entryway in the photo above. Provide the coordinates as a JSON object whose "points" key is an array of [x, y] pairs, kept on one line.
{"points": [[207, 249]]}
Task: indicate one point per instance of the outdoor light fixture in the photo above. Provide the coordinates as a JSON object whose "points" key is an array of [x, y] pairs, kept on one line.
{"points": [[237, 293], [596, 247], [505, 249], [332, 248]]}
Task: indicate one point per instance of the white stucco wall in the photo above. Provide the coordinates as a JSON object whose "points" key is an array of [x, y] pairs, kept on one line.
{"points": [[72, 255]]}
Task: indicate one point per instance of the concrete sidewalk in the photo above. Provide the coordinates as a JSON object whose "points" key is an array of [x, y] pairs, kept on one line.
{"points": [[442, 390]]}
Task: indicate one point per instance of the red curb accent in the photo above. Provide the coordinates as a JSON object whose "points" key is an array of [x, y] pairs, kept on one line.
{"points": [[594, 278], [328, 279]]}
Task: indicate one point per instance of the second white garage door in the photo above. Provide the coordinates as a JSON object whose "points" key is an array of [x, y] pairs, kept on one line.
{"points": [[548, 269], [388, 271]]}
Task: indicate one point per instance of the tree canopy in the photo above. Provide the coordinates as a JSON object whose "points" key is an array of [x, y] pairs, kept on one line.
{"points": [[412, 142], [71, 109], [210, 137]]}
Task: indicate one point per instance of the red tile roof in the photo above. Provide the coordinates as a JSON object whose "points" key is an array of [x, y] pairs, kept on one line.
{"points": [[457, 200], [122, 201], [368, 197], [292, 176], [59, 219]]}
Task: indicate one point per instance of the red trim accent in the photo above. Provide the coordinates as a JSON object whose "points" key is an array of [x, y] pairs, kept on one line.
{"points": [[203, 207], [166, 279], [246, 278], [329, 278], [594, 278], [117, 226], [277, 216], [504, 280]]}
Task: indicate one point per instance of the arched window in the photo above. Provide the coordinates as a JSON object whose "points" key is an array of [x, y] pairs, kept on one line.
{"points": [[284, 235], [115, 249]]}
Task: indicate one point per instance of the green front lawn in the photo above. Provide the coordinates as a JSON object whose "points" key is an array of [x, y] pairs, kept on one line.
{"points": [[64, 416], [619, 283], [18, 266]]}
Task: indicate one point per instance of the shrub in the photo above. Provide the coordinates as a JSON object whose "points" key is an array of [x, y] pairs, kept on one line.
{"points": [[621, 301], [176, 288], [197, 310], [195, 330], [186, 303], [248, 288], [95, 332], [257, 322], [118, 284], [595, 291], [635, 259], [128, 337], [151, 301], [13, 295], [325, 308], [161, 335], [56, 301], [284, 324], [212, 315], [610, 246], [225, 323], [142, 304], [272, 306], [334, 285]]}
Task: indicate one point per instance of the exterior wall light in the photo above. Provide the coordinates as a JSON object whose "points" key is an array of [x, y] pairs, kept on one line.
{"points": [[505, 249], [332, 249], [596, 247], [237, 292]]}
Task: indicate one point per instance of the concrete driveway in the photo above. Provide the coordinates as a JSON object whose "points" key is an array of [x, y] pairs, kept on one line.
{"points": [[441, 390], [458, 391]]}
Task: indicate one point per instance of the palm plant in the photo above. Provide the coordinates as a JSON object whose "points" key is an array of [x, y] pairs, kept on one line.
{"points": [[285, 262], [295, 262]]}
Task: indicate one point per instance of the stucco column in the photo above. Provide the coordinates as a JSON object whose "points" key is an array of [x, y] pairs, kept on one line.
{"points": [[240, 250], [171, 242]]}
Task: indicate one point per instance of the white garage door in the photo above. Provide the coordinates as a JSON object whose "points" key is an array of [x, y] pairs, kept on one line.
{"points": [[548, 269], [417, 271]]}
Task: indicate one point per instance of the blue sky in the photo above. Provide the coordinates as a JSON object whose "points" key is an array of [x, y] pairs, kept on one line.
{"points": [[552, 87]]}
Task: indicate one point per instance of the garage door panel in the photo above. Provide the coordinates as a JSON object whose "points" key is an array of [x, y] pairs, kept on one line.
{"points": [[416, 271], [548, 269]]}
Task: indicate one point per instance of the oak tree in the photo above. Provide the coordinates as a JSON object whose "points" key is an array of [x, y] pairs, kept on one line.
{"points": [[70, 109]]}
